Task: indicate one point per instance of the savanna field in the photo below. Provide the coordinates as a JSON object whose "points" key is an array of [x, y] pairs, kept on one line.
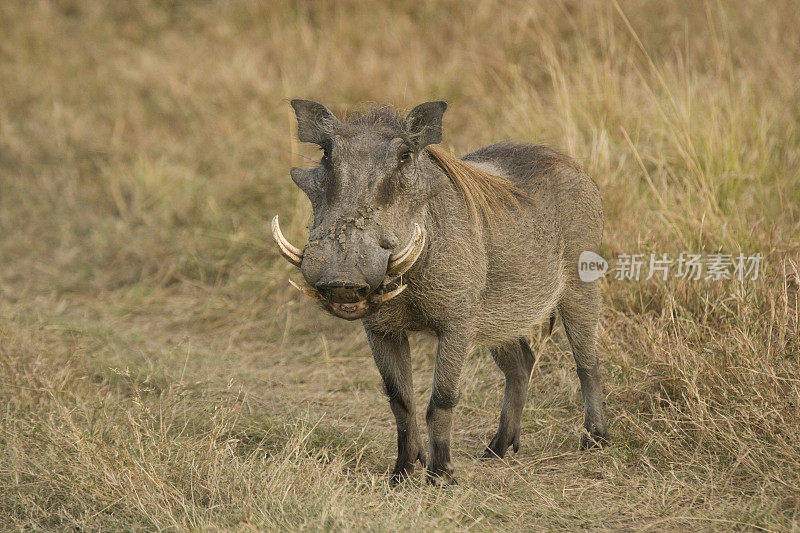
{"points": [[157, 372]]}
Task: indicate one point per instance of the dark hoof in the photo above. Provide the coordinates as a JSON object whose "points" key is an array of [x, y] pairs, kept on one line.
{"points": [[498, 447], [594, 441], [398, 476], [441, 478], [489, 453], [404, 469]]}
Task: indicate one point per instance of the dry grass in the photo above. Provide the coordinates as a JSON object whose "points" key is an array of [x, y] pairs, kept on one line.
{"points": [[156, 372]]}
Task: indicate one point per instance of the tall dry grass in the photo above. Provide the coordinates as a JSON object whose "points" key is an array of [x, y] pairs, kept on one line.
{"points": [[156, 372]]}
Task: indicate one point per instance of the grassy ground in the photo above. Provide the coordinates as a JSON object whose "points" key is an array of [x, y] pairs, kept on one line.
{"points": [[157, 372]]}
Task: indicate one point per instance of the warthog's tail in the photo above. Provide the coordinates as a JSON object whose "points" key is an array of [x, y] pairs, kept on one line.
{"points": [[552, 322]]}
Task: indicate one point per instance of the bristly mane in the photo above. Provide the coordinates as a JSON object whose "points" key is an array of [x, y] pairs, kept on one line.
{"points": [[381, 115], [487, 194]]}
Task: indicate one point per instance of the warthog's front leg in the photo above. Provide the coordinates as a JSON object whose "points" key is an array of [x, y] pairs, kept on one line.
{"points": [[393, 357], [453, 345]]}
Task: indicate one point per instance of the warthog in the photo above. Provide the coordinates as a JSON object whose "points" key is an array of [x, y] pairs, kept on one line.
{"points": [[478, 250]]}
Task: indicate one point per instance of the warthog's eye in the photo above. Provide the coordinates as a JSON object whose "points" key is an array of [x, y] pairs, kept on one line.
{"points": [[326, 154], [404, 157]]}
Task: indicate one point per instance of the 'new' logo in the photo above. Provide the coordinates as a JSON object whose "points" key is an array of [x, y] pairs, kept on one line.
{"points": [[591, 266]]}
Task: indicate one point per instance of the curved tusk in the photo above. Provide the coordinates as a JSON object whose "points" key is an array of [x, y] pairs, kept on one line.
{"points": [[288, 250], [400, 262], [385, 297], [305, 289]]}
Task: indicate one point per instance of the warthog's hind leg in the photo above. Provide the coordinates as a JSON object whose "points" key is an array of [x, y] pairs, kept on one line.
{"points": [[579, 310], [392, 355], [516, 361]]}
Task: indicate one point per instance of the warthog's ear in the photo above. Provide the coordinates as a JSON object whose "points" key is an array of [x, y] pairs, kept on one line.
{"points": [[315, 122], [424, 123]]}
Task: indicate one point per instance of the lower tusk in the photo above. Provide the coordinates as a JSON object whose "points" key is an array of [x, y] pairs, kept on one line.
{"points": [[400, 263], [292, 254], [305, 289], [385, 297]]}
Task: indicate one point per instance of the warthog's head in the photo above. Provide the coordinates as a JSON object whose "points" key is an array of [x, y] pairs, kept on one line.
{"points": [[367, 194]]}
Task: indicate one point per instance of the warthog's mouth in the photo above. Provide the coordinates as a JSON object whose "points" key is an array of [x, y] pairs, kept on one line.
{"points": [[392, 285], [357, 310], [349, 311]]}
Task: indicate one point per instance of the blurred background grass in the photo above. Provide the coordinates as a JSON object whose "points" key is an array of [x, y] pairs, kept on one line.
{"points": [[157, 372]]}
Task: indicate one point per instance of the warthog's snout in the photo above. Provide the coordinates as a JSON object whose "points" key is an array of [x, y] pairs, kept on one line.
{"points": [[350, 296], [345, 299]]}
